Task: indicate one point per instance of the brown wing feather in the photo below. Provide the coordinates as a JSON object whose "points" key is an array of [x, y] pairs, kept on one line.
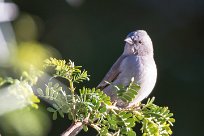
{"points": [[112, 73]]}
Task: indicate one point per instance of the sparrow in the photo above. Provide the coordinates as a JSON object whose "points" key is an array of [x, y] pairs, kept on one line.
{"points": [[136, 61]]}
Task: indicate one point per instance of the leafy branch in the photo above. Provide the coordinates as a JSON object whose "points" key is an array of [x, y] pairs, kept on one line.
{"points": [[91, 107]]}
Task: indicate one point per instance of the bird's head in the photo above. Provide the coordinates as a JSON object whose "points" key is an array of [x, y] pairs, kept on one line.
{"points": [[138, 43]]}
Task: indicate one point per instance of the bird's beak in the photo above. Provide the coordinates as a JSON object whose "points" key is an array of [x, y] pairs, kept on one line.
{"points": [[129, 40]]}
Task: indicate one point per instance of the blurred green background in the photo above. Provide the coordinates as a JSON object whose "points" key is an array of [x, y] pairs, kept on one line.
{"points": [[91, 33]]}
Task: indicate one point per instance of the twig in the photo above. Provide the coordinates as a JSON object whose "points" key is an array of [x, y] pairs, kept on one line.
{"points": [[74, 129]]}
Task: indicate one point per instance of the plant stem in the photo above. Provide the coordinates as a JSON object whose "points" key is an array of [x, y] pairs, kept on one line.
{"points": [[74, 129], [95, 127], [73, 98]]}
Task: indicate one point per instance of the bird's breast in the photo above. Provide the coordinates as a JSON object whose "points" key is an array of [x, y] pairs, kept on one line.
{"points": [[143, 69], [138, 67]]}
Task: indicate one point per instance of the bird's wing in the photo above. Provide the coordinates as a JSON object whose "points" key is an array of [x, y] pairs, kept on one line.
{"points": [[112, 73]]}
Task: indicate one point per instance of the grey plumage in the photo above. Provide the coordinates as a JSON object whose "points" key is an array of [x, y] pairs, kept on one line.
{"points": [[136, 61]]}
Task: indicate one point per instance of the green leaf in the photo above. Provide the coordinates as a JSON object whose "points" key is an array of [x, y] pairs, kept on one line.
{"points": [[55, 95], [104, 131], [131, 133], [40, 92], [54, 116], [127, 94], [56, 86], [70, 116], [61, 113], [127, 97], [59, 89], [172, 120], [128, 115], [55, 106], [85, 128], [131, 122], [49, 84], [50, 109], [103, 109]]}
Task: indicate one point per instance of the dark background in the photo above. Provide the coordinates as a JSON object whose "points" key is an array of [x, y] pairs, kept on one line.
{"points": [[92, 34]]}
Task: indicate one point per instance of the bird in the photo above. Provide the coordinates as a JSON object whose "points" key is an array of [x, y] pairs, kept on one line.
{"points": [[136, 61]]}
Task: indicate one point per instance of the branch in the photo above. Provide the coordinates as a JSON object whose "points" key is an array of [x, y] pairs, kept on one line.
{"points": [[74, 129]]}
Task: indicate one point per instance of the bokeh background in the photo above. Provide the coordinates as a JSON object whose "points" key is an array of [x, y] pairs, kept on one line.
{"points": [[91, 33]]}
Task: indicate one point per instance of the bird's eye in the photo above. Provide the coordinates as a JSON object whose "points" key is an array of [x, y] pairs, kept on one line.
{"points": [[140, 42]]}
